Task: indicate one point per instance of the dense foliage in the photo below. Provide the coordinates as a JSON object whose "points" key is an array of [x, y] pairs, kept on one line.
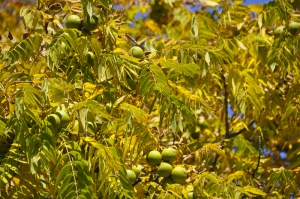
{"points": [[210, 88]]}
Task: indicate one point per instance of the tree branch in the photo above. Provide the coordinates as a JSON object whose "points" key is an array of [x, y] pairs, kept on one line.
{"points": [[228, 134], [226, 106], [226, 120], [259, 154], [132, 39], [213, 164], [231, 135]]}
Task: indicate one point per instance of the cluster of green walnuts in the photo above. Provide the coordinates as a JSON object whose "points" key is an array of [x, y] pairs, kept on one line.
{"points": [[293, 28], [164, 167], [59, 119], [74, 21]]}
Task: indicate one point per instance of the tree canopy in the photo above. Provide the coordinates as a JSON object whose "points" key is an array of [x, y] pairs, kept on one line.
{"points": [[89, 88]]}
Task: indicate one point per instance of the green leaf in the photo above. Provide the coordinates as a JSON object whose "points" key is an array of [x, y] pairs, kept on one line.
{"points": [[138, 113], [160, 80], [207, 58], [67, 169], [23, 50], [254, 190], [185, 69], [93, 107]]}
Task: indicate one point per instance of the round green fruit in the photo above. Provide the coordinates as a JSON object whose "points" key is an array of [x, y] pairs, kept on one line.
{"points": [[294, 27], [195, 135], [131, 175], [168, 154], [165, 169], [136, 52], [64, 119], [54, 120], [91, 23], [90, 58], [159, 46], [279, 30], [137, 169], [153, 158], [179, 175], [74, 21], [236, 32]]}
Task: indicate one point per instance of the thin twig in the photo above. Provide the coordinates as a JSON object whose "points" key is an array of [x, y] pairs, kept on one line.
{"points": [[138, 180], [214, 162], [227, 134], [73, 172], [231, 135], [259, 154], [132, 39]]}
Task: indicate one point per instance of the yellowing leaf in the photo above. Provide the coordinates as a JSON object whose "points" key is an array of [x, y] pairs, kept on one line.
{"points": [[153, 26], [16, 180], [256, 7], [139, 113], [95, 93], [207, 58], [118, 50], [213, 147], [118, 101], [58, 24], [241, 45], [89, 87], [254, 190], [236, 175], [210, 3], [143, 7]]}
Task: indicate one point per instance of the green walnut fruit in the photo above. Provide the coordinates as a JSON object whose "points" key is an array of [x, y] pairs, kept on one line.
{"points": [[179, 175], [90, 58], [294, 27], [279, 30], [165, 169], [131, 175], [137, 169], [168, 154], [91, 23], [153, 158], [64, 119], [159, 46], [136, 52], [74, 21], [236, 32], [54, 120]]}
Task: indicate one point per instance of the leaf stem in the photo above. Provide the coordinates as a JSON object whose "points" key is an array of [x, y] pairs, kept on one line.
{"points": [[73, 172]]}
